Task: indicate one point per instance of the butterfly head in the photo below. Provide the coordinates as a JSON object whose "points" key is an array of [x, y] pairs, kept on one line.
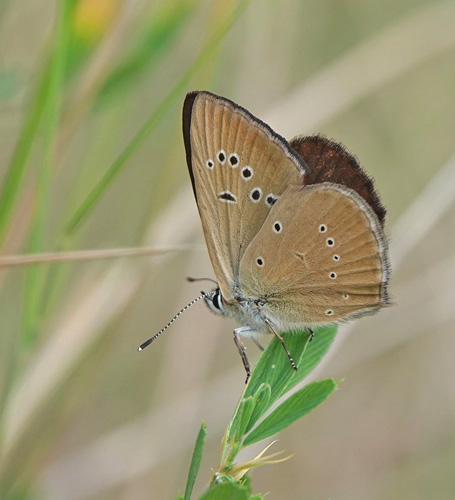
{"points": [[215, 301]]}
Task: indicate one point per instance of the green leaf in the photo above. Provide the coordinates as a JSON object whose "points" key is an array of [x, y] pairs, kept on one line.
{"points": [[262, 398], [242, 418], [296, 406], [274, 368], [226, 491], [195, 461]]}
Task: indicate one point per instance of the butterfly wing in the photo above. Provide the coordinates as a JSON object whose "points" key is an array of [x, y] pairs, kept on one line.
{"points": [[329, 161], [320, 257], [239, 167]]}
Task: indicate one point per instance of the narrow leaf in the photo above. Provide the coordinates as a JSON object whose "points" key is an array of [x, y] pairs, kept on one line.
{"points": [[50, 121], [242, 418], [195, 461], [262, 398], [296, 406]]}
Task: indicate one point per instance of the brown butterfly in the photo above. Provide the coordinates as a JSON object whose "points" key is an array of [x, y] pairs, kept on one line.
{"points": [[294, 230]]}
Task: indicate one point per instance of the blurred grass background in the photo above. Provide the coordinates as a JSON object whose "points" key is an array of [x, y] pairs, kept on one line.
{"points": [[91, 157]]}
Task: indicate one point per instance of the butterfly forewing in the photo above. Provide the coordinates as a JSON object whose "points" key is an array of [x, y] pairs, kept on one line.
{"points": [[239, 168], [320, 257]]}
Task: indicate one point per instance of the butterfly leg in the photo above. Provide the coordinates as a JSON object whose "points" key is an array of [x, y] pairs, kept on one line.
{"points": [[280, 338], [242, 351]]}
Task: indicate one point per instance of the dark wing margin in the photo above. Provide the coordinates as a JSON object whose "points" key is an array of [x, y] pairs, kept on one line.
{"points": [[330, 161], [186, 122]]}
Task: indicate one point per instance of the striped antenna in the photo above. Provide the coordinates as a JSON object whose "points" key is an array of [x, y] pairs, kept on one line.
{"points": [[151, 339]]}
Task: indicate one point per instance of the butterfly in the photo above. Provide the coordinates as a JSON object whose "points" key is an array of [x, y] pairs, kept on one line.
{"points": [[294, 230]]}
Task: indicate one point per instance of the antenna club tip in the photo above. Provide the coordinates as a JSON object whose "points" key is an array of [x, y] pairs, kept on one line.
{"points": [[139, 349]]}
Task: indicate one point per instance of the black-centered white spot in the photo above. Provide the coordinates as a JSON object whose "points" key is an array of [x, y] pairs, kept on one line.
{"points": [[277, 227], [332, 275], [345, 296], [336, 257], [247, 173], [234, 160], [330, 242], [227, 197], [270, 200], [255, 194], [329, 312], [260, 261], [221, 155], [322, 228], [209, 164]]}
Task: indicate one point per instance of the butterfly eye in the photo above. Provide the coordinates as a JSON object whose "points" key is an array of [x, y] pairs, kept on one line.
{"points": [[233, 159], [221, 155], [217, 300], [322, 228]]}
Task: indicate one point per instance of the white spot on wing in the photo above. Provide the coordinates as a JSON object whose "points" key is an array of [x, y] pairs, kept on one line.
{"points": [[270, 200], [221, 156], [247, 173], [227, 197], [277, 227], [255, 195], [234, 160]]}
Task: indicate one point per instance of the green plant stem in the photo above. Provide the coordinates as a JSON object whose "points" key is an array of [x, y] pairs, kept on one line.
{"points": [[9, 191], [51, 108]]}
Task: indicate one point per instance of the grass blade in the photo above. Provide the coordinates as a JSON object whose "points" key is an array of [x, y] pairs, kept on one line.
{"points": [[158, 36], [195, 461], [111, 173], [9, 191], [51, 108]]}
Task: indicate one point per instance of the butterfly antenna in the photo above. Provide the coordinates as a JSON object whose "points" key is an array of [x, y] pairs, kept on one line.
{"points": [[192, 280], [151, 339]]}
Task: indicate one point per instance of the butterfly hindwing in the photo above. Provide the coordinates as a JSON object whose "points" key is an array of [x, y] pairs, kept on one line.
{"points": [[329, 161], [239, 168], [320, 257]]}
